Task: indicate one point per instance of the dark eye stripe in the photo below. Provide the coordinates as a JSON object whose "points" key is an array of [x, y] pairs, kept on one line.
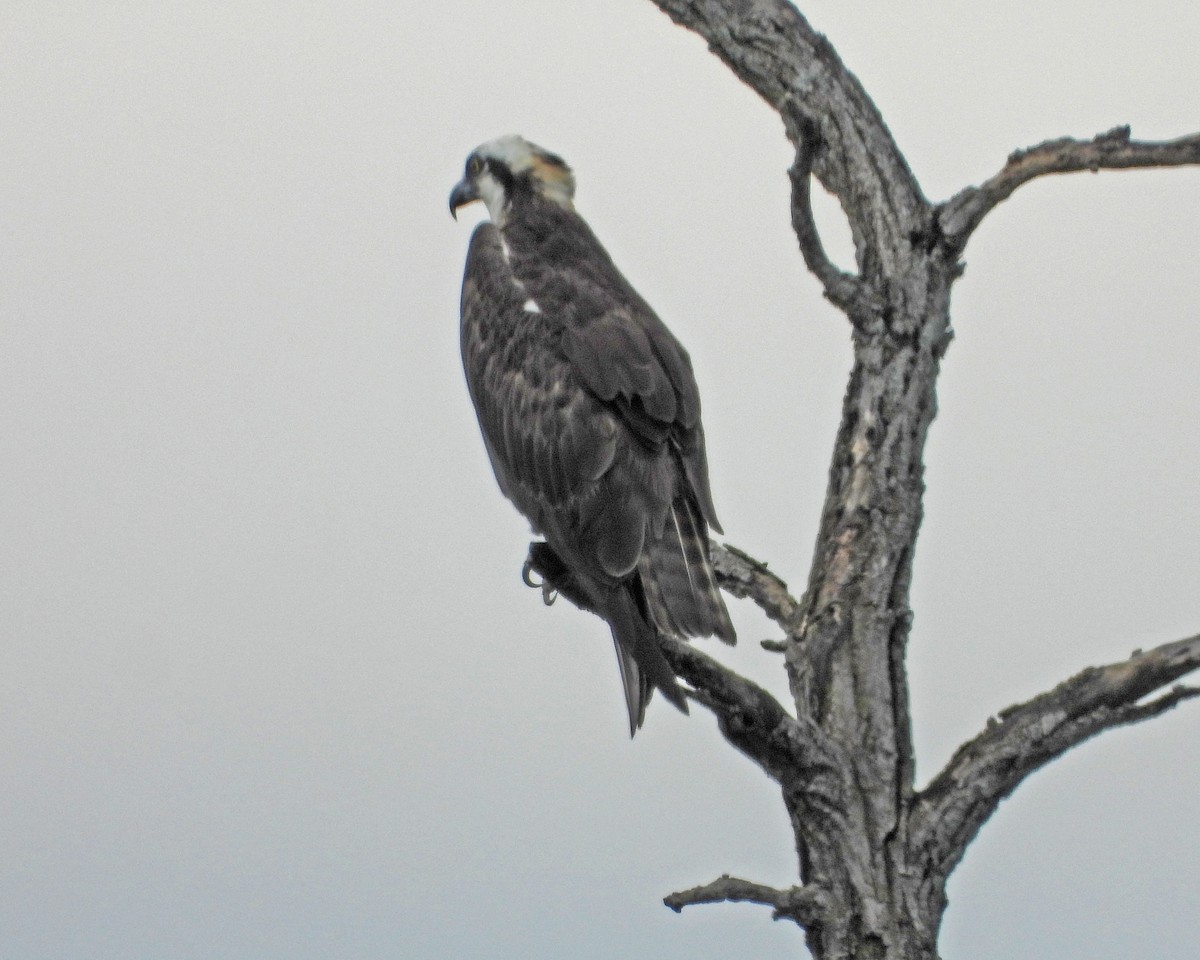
{"points": [[500, 172]]}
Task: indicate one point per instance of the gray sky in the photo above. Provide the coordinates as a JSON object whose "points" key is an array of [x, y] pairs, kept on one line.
{"points": [[270, 685]]}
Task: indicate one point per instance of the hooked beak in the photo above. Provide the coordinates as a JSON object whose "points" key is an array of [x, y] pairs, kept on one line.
{"points": [[464, 192]]}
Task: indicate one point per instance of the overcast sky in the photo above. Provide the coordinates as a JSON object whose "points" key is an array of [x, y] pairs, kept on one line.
{"points": [[270, 685]]}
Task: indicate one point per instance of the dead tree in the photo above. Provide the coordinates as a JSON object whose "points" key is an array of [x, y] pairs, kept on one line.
{"points": [[874, 851]]}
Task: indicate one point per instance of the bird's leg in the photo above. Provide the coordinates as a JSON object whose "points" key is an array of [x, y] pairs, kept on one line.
{"points": [[536, 563], [557, 579]]}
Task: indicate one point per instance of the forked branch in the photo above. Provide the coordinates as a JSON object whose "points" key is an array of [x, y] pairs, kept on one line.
{"points": [[1114, 150], [949, 812], [834, 126], [792, 753]]}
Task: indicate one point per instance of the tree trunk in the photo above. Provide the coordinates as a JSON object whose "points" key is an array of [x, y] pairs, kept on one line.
{"points": [[847, 662], [874, 852]]}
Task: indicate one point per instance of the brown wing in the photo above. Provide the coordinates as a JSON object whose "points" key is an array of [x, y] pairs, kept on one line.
{"points": [[629, 359], [548, 439], [618, 346]]}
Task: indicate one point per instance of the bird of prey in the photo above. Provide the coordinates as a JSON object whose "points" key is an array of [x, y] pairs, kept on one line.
{"points": [[591, 417]]}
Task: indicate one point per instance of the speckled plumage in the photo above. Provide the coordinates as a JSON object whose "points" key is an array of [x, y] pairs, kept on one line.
{"points": [[590, 414]]}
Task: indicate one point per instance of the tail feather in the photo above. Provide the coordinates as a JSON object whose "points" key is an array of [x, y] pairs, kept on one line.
{"points": [[641, 661], [637, 688], [677, 577]]}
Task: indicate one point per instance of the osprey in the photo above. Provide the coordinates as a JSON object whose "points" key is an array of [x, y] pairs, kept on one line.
{"points": [[590, 415]]}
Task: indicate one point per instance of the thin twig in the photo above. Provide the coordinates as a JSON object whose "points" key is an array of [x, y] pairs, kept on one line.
{"points": [[847, 291], [742, 575], [798, 904]]}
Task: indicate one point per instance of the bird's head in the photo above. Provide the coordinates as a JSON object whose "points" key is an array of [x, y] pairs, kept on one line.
{"points": [[500, 170]]}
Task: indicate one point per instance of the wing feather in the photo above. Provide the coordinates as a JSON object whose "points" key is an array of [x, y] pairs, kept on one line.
{"points": [[618, 346], [548, 437]]}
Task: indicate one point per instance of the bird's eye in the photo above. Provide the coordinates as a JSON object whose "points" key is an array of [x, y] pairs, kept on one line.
{"points": [[474, 167]]}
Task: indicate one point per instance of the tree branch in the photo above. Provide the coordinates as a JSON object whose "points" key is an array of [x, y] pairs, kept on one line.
{"points": [[948, 813], [834, 126], [792, 753], [740, 574], [961, 214], [846, 291], [799, 904]]}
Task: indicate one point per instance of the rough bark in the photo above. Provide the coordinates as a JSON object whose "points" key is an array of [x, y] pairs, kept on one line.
{"points": [[875, 854]]}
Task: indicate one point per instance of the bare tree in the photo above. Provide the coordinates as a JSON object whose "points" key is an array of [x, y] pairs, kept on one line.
{"points": [[874, 851]]}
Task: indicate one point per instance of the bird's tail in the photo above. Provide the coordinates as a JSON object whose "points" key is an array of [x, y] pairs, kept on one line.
{"points": [[643, 666], [682, 597], [675, 593]]}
